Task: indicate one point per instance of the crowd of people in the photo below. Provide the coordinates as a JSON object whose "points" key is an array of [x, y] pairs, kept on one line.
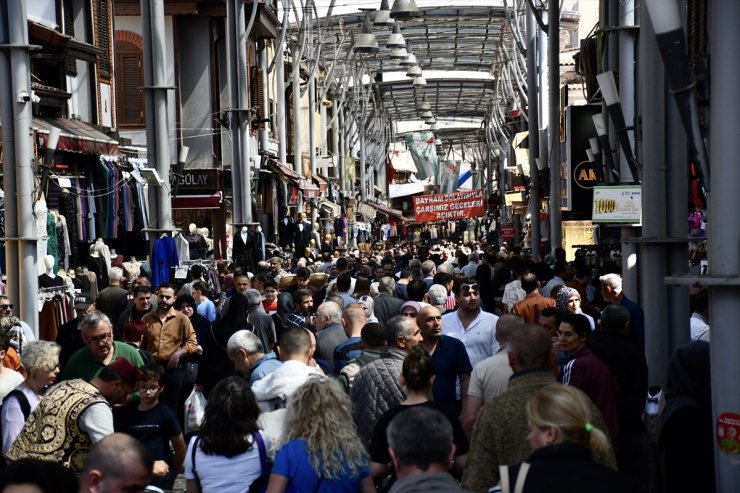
{"points": [[445, 367]]}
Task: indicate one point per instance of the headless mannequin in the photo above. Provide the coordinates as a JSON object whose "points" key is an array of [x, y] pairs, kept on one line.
{"points": [[302, 234], [245, 250], [285, 230]]}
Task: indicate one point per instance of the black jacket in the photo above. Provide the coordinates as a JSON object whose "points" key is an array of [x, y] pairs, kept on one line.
{"points": [[567, 468]]}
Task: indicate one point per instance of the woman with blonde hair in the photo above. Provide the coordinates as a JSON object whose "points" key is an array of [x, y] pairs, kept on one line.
{"points": [[322, 451], [564, 440]]}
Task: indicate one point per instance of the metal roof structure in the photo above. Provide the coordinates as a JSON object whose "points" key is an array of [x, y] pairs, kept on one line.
{"points": [[463, 51]]}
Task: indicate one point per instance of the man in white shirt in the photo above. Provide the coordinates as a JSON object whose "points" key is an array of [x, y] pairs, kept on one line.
{"points": [[472, 265], [473, 326], [490, 377], [699, 321], [295, 350]]}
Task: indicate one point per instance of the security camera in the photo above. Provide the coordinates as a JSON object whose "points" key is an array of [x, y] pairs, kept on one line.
{"points": [[34, 97], [23, 97]]}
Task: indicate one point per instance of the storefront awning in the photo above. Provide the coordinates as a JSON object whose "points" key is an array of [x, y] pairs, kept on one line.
{"points": [[76, 136], [406, 189], [335, 210], [403, 163], [394, 213], [321, 182], [310, 191], [285, 171], [212, 201]]}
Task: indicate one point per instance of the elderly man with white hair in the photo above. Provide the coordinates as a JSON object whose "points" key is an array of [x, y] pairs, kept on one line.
{"points": [[437, 297], [611, 290], [113, 299], [245, 350]]}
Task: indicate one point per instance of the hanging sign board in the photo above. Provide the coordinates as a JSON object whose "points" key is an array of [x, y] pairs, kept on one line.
{"points": [[449, 206], [618, 204]]}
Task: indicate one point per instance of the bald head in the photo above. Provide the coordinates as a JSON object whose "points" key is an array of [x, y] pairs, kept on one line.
{"points": [[118, 462], [354, 318], [506, 325]]}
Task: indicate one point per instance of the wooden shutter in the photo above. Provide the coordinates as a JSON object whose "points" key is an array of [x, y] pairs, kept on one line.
{"points": [[129, 79], [103, 26], [257, 94], [70, 64]]}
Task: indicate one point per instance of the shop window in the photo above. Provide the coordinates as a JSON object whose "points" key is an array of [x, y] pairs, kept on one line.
{"points": [[129, 80]]}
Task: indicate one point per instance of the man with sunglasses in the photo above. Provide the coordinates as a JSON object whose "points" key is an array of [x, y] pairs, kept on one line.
{"points": [[469, 323], [25, 334]]}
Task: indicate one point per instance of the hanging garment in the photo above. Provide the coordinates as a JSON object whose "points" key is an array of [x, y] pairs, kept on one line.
{"points": [[183, 248], [39, 211], [244, 251], [286, 231], [164, 257]]}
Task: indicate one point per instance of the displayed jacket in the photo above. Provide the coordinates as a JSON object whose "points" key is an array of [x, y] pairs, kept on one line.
{"points": [[285, 231], [377, 388]]}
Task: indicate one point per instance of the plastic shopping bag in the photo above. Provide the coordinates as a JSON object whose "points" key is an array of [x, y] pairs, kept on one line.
{"points": [[195, 409]]}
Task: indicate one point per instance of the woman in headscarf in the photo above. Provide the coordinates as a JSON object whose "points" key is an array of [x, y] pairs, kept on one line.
{"points": [[569, 301], [368, 303], [215, 363]]}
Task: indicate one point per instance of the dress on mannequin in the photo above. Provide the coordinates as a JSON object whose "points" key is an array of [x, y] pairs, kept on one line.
{"points": [[39, 212]]}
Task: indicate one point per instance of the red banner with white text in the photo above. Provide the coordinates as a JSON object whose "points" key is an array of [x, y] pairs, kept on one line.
{"points": [[449, 206]]}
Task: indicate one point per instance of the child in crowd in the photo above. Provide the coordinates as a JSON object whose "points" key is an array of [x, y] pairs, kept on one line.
{"points": [[156, 426]]}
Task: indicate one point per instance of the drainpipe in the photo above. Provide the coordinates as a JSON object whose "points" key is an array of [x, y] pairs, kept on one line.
{"points": [[297, 123]]}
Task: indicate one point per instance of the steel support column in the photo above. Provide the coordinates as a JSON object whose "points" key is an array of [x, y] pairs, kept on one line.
{"points": [[297, 117], [16, 104], [533, 116], [553, 47], [724, 225]]}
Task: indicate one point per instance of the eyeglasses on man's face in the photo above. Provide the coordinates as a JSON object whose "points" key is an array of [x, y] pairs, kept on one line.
{"points": [[103, 338], [7, 306]]}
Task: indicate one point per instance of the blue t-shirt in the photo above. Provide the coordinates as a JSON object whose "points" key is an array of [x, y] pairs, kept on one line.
{"points": [[292, 462], [207, 310], [449, 360]]}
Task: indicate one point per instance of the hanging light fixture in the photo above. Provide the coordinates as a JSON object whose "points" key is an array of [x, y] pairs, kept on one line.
{"points": [[426, 114], [366, 42], [399, 53], [430, 121], [434, 127], [413, 72], [420, 82], [404, 9], [410, 59], [383, 17], [424, 105], [395, 40]]}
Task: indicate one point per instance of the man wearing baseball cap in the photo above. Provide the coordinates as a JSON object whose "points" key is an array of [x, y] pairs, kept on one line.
{"points": [[73, 415], [69, 335]]}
